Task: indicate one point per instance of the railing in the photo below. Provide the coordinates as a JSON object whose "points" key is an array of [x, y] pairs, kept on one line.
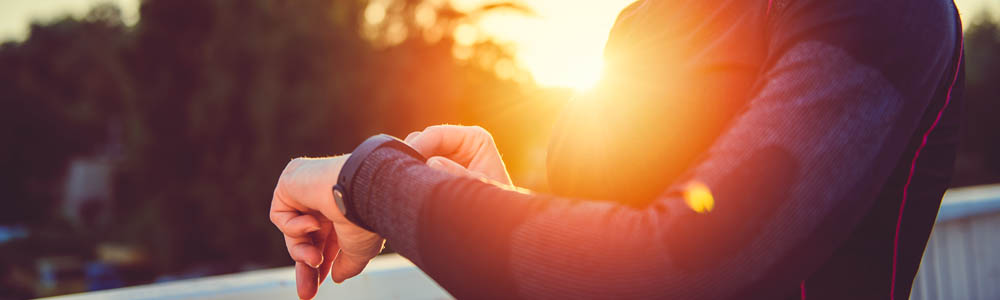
{"points": [[962, 261], [407, 282]]}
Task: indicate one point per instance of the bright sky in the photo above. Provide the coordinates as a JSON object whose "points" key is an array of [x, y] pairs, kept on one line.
{"points": [[561, 46], [16, 15]]}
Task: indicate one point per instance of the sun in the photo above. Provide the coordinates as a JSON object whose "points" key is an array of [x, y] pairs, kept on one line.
{"points": [[563, 44], [579, 73], [587, 76]]}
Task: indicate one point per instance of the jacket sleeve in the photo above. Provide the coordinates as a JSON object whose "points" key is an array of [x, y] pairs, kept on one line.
{"points": [[790, 178]]}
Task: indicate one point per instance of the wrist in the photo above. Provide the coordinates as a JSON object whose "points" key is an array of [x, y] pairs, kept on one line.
{"points": [[348, 182], [333, 171]]}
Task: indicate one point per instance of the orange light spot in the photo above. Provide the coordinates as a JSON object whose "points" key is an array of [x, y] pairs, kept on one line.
{"points": [[698, 197]]}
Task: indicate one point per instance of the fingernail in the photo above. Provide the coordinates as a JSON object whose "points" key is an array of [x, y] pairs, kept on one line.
{"points": [[312, 229], [434, 164]]}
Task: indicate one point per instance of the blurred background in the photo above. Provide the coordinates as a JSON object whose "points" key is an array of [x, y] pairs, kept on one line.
{"points": [[141, 140]]}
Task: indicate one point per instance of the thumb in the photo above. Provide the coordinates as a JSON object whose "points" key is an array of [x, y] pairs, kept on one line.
{"points": [[449, 166]]}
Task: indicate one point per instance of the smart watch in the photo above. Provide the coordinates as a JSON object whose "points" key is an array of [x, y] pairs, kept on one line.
{"points": [[342, 191]]}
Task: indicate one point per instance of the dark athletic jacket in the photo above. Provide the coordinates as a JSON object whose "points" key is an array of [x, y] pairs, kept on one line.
{"points": [[825, 130]]}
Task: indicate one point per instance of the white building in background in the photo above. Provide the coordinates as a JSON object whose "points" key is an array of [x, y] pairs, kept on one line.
{"points": [[87, 196], [89, 183]]}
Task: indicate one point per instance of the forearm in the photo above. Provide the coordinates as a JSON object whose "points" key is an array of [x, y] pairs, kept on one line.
{"points": [[477, 239]]}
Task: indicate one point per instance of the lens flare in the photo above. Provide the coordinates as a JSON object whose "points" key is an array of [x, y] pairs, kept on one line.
{"points": [[698, 197]]}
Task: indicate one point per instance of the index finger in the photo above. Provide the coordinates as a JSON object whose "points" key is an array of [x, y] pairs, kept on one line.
{"points": [[295, 224], [290, 220], [448, 141], [306, 280]]}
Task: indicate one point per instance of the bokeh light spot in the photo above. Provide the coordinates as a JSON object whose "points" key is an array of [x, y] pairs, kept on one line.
{"points": [[699, 197], [375, 12], [465, 34]]}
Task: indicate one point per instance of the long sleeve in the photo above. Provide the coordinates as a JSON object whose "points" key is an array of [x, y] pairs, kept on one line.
{"points": [[792, 175]]}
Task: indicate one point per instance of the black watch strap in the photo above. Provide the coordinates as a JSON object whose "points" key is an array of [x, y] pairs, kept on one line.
{"points": [[342, 193]]}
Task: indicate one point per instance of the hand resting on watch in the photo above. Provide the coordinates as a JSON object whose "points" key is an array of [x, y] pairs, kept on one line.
{"points": [[322, 241]]}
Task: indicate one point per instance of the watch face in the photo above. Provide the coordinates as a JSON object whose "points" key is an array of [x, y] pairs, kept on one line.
{"points": [[338, 197]]}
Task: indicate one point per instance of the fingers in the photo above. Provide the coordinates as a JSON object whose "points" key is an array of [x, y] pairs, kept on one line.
{"points": [[302, 250], [290, 220], [300, 226], [306, 281], [459, 143], [296, 228], [471, 148], [330, 248], [308, 278], [308, 262], [346, 266], [280, 212], [447, 165], [409, 138]]}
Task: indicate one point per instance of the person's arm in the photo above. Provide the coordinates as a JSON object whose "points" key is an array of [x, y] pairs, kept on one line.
{"points": [[791, 177]]}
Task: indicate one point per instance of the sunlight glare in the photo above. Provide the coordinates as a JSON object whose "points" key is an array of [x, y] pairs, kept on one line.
{"points": [[563, 45]]}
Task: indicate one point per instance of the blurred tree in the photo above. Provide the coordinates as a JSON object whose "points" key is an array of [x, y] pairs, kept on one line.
{"points": [[228, 90], [979, 160], [57, 89], [211, 98]]}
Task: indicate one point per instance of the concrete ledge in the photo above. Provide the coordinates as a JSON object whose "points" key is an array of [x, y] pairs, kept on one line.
{"points": [[387, 277]]}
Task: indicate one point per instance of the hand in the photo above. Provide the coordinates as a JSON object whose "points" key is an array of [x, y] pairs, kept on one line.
{"points": [[461, 150], [318, 237]]}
